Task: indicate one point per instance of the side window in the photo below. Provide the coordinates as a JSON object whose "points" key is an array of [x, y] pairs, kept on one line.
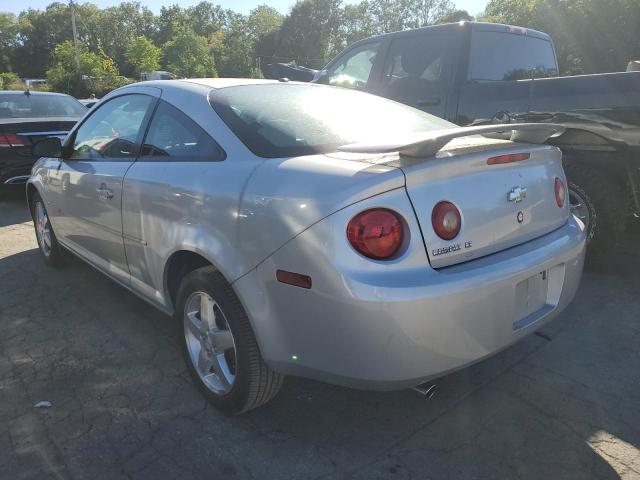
{"points": [[173, 134], [111, 131], [506, 56], [354, 68], [415, 67]]}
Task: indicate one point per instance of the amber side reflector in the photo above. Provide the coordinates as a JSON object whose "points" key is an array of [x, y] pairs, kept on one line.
{"points": [[502, 159], [295, 279]]}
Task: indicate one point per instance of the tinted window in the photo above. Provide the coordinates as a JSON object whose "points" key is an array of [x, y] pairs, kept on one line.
{"points": [[354, 68], [111, 131], [173, 134], [506, 56], [415, 66], [280, 120], [38, 105]]}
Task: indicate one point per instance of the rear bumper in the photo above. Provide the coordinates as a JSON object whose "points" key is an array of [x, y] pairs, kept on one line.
{"points": [[15, 169], [402, 328]]}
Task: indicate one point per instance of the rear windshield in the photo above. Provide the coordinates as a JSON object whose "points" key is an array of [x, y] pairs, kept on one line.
{"points": [[283, 120], [508, 56], [34, 106]]}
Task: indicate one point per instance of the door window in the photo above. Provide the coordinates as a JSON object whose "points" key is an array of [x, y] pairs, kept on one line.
{"points": [[507, 56], [112, 130], [415, 68], [173, 134], [354, 68]]}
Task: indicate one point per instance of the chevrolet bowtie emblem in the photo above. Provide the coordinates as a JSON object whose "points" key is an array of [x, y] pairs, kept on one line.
{"points": [[517, 194]]}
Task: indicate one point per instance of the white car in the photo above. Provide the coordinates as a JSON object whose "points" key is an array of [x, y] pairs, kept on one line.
{"points": [[300, 229]]}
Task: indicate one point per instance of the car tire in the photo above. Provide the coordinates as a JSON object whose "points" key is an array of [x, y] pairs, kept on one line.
{"points": [[219, 346], [50, 249], [595, 195]]}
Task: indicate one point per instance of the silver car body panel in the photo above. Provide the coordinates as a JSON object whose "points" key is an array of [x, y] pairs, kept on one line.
{"points": [[364, 323]]}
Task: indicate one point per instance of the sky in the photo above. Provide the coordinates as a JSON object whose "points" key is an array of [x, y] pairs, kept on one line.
{"points": [[242, 6]]}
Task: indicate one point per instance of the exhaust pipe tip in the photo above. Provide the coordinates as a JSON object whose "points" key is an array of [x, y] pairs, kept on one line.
{"points": [[427, 390]]}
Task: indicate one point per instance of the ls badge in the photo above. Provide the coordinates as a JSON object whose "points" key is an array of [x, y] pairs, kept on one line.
{"points": [[517, 194]]}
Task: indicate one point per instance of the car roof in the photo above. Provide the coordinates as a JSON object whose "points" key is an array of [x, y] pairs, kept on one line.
{"points": [[446, 27], [207, 82], [22, 92]]}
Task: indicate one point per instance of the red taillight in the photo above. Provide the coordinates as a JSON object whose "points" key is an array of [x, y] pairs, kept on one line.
{"points": [[10, 140], [561, 192], [446, 220], [514, 157], [376, 233]]}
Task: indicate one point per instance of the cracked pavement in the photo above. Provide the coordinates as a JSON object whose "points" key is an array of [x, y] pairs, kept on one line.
{"points": [[564, 404]]}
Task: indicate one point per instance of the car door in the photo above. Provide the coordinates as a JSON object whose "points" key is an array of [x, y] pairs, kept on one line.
{"points": [[180, 184], [418, 71], [100, 152]]}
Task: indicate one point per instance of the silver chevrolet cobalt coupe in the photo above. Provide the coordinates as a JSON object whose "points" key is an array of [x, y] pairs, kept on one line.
{"points": [[297, 229]]}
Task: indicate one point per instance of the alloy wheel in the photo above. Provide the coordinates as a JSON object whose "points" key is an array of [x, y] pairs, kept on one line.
{"points": [[43, 229], [210, 342], [579, 207]]}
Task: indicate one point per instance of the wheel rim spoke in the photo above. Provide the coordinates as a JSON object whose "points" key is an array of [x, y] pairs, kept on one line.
{"points": [[222, 340], [207, 314], [210, 342], [205, 363], [194, 325]]}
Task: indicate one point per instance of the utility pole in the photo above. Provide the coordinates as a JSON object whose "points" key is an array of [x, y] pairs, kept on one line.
{"points": [[75, 34]]}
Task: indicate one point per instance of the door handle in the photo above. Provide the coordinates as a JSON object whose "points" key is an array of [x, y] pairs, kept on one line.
{"points": [[429, 102], [104, 192]]}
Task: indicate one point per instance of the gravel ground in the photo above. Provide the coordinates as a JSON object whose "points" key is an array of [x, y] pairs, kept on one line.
{"points": [[562, 404]]}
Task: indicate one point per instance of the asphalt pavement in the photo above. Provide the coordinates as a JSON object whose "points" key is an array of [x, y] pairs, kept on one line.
{"points": [[562, 404]]}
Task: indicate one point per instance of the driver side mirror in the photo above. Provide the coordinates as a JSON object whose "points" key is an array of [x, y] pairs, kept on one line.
{"points": [[47, 147], [322, 77]]}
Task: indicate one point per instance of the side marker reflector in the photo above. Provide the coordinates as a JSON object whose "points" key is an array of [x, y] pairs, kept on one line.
{"points": [[295, 279]]}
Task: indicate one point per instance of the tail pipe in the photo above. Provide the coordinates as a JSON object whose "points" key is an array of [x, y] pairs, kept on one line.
{"points": [[427, 390]]}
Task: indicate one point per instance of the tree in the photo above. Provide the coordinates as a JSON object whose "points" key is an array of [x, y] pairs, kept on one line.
{"points": [[310, 31], [188, 55], [120, 25], [233, 49], [456, 16], [97, 74], [601, 35], [143, 56], [8, 40], [264, 25], [10, 81]]}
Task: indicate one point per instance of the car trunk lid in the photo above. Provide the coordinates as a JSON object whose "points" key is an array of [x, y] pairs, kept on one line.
{"points": [[501, 204], [21, 133]]}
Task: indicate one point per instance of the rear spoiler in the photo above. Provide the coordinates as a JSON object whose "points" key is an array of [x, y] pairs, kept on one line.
{"points": [[427, 144]]}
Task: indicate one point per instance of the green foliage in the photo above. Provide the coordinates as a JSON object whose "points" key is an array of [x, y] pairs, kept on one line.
{"points": [[143, 56], [10, 81], [8, 38], [591, 36], [188, 55], [97, 74]]}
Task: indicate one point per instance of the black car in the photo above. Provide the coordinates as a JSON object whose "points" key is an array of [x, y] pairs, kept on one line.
{"points": [[473, 73], [26, 117]]}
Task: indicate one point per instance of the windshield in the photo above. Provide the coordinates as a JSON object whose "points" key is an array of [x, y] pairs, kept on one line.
{"points": [[282, 120], [36, 106]]}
